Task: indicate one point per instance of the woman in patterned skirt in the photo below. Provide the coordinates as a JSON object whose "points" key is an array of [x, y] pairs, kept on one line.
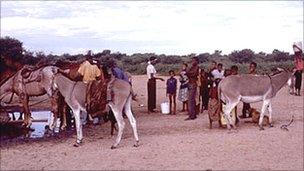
{"points": [[183, 90]]}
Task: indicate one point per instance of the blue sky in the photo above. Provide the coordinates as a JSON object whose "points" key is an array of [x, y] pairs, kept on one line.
{"points": [[161, 27]]}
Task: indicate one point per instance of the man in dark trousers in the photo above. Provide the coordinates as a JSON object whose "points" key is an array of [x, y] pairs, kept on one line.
{"points": [[151, 73], [192, 74], [299, 66]]}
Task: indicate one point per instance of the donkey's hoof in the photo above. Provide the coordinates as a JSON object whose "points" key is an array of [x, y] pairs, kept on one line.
{"points": [[270, 125], [76, 144], [113, 147], [136, 144], [261, 128]]}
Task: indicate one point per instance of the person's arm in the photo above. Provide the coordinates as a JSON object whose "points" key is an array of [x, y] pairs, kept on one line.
{"points": [[99, 74], [167, 83], [158, 78], [153, 75]]}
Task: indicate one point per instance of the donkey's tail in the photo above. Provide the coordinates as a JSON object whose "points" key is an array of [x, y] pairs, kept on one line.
{"points": [[219, 94]]}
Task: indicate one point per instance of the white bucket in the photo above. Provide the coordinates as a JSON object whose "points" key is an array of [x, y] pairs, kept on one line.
{"points": [[165, 108]]}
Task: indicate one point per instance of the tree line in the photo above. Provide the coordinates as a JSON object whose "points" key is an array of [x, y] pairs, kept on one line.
{"points": [[13, 50]]}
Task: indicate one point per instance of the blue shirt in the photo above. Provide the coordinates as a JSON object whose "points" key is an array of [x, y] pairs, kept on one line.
{"points": [[171, 85], [118, 73]]}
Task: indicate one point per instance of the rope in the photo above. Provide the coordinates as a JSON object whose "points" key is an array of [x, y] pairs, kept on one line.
{"points": [[284, 126]]}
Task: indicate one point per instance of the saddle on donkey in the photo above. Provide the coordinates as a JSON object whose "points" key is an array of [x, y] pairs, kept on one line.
{"points": [[96, 99]]}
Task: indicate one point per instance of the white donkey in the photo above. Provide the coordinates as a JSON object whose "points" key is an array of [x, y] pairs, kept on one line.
{"points": [[75, 96], [251, 88]]}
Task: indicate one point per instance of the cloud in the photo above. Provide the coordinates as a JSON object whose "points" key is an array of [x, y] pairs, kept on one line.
{"points": [[172, 27]]}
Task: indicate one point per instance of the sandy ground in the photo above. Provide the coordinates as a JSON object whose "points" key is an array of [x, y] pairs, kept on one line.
{"points": [[169, 143]]}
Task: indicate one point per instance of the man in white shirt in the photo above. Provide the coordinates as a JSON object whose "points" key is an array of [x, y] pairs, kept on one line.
{"points": [[150, 69], [151, 72], [219, 72]]}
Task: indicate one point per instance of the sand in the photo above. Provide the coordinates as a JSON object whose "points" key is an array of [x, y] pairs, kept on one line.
{"points": [[167, 142]]}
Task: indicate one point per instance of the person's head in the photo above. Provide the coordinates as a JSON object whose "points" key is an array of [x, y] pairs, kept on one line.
{"points": [[89, 56], [213, 64], [152, 59], [184, 66], [253, 66], [171, 73], [195, 61], [220, 66], [297, 48], [234, 70], [227, 72]]}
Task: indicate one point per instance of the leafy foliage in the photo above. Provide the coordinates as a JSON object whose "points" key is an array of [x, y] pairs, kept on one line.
{"points": [[136, 63]]}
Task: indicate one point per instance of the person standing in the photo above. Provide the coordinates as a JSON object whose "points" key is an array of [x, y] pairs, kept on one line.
{"points": [[218, 73], [151, 73], [118, 72], [204, 91], [212, 66], [183, 90], [171, 91], [299, 65], [192, 74], [89, 71], [246, 106]]}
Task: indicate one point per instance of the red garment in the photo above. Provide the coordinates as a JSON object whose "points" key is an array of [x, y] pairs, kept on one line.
{"points": [[213, 93], [299, 63]]}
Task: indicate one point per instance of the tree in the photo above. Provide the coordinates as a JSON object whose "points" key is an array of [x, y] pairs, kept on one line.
{"points": [[216, 54], [171, 60], [279, 56], [243, 56], [11, 54], [203, 57], [11, 48]]}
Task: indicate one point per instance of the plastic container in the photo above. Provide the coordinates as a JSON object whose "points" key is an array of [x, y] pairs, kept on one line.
{"points": [[165, 108]]}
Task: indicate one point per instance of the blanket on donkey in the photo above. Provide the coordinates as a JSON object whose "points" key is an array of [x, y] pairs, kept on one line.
{"points": [[96, 99]]}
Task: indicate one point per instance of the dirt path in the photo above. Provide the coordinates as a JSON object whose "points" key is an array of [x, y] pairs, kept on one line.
{"points": [[169, 142]]}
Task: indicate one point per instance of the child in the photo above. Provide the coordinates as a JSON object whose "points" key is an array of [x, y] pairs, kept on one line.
{"points": [[183, 90], [171, 91]]}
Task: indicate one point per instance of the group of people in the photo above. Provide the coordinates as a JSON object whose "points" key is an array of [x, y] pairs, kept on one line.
{"points": [[198, 86]]}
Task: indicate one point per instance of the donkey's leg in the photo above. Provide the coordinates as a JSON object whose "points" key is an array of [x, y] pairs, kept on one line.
{"points": [[27, 114], [64, 115], [78, 127], [55, 112], [117, 110], [264, 106], [270, 114], [132, 120], [54, 124]]}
